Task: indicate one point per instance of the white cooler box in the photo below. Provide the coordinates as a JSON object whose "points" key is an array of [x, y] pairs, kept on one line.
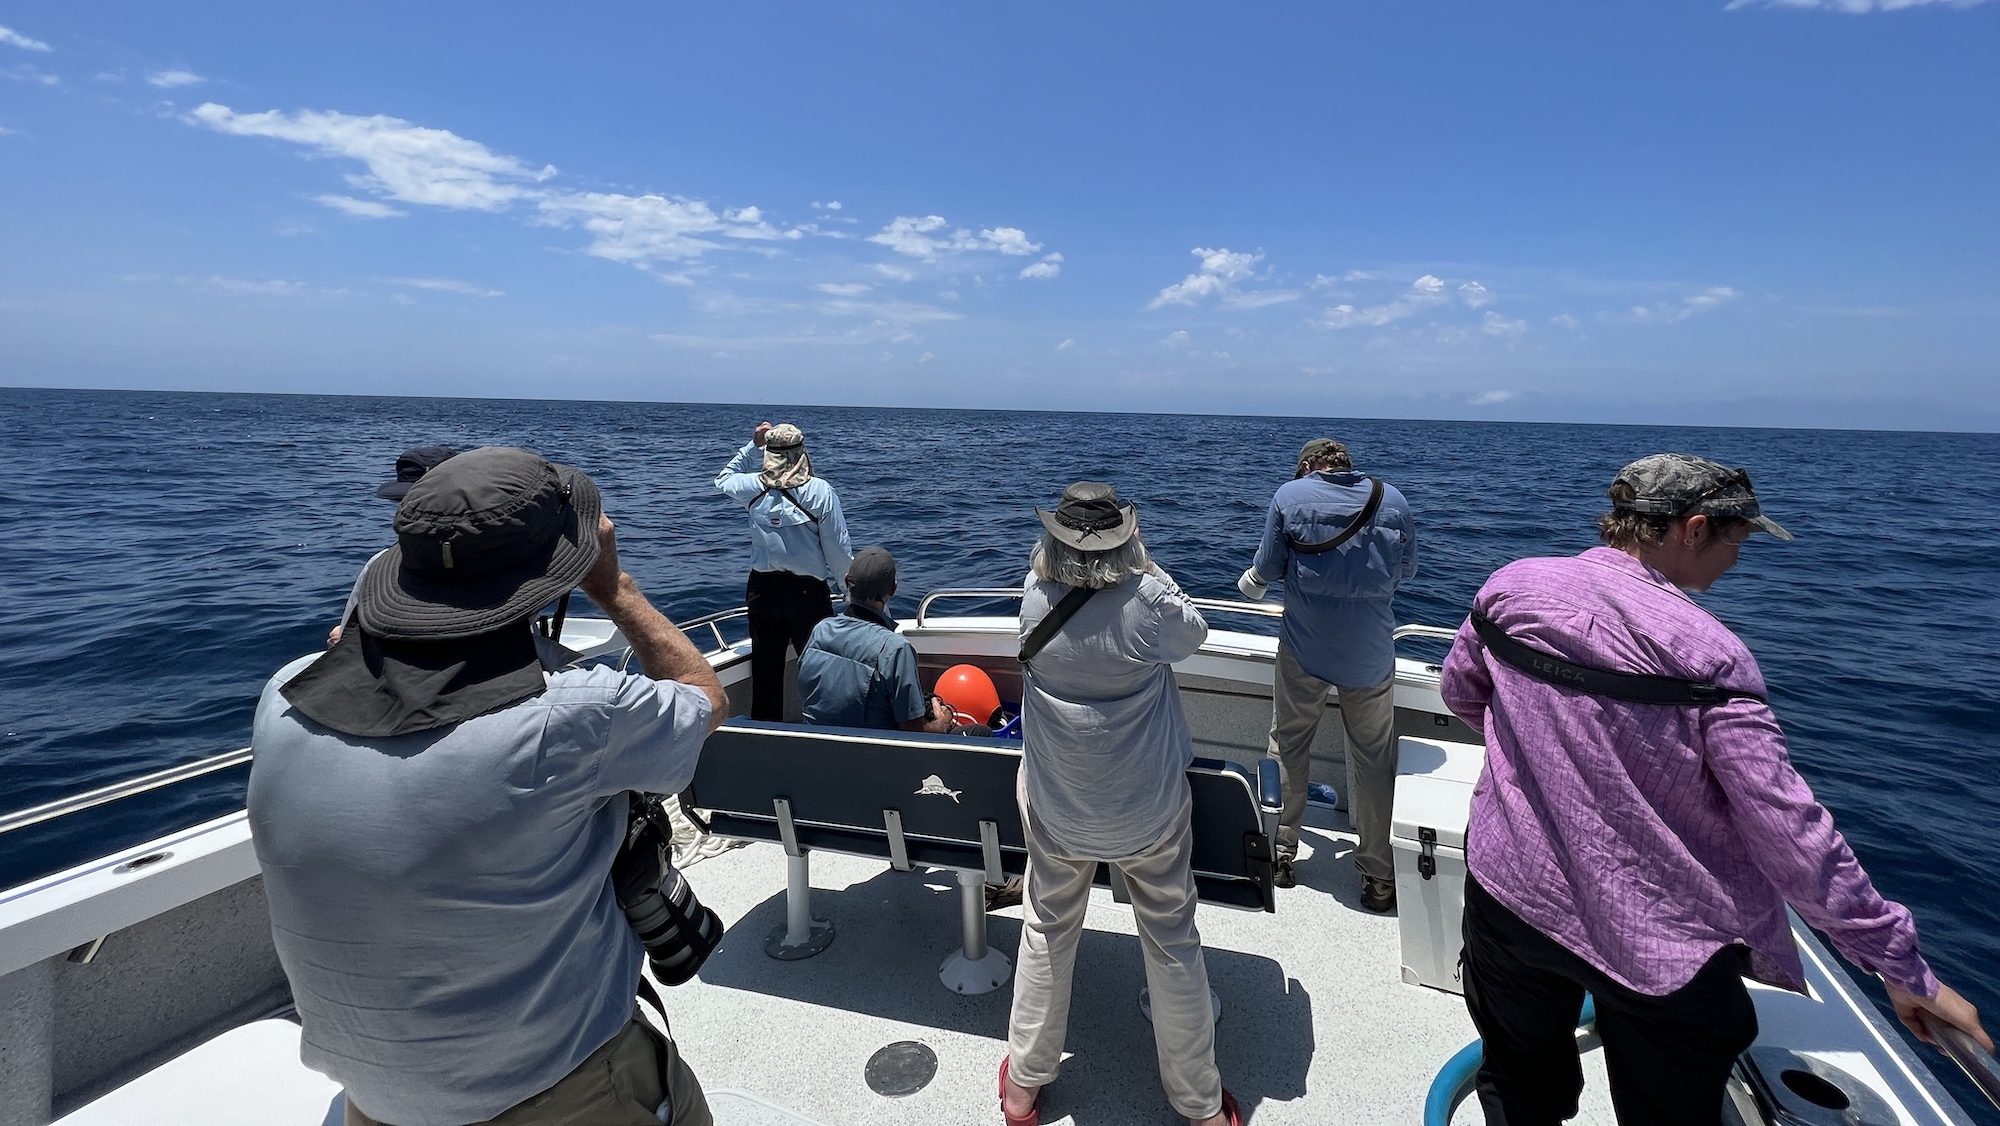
{"points": [[1434, 781]]}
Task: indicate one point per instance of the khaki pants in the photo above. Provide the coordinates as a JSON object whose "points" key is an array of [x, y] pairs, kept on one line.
{"points": [[1161, 881], [1298, 700], [622, 1083]]}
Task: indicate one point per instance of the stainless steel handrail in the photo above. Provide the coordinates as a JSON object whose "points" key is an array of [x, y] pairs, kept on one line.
{"points": [[1977, 1063], [130, 787], [714, 623], [961, 594], [1440, 633]]}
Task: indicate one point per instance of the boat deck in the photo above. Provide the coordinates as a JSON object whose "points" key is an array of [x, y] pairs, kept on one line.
{"points": [[1317, 1026]]}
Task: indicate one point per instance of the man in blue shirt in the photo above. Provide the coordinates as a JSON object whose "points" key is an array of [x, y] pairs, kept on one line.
{"points": [[798, 545], [435, 815], [857, 671], [1342, 543]]}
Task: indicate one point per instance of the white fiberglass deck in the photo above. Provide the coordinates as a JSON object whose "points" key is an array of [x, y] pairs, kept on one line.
{"points": [[1317, 1026]]}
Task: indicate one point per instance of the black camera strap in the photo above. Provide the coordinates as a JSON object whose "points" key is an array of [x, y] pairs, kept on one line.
{"points": [[1634, 688], [1046, 629], [787, 494], [1361, 519]]}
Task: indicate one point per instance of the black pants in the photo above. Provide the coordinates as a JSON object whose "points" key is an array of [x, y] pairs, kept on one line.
{"points": [[784, 608], [1668, 1057]]}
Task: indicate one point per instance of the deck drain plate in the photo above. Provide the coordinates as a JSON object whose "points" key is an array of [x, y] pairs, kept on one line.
{"points": [[902, 1068]]}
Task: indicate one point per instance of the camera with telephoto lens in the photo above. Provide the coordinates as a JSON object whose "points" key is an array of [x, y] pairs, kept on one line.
{"points": [[677, 931]]}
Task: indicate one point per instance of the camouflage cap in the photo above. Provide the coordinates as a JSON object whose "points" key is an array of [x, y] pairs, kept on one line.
{"points": [[1320, 449], [1683, 484]]}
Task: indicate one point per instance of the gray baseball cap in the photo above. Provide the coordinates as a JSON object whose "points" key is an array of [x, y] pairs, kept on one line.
{"points": [[872, 575], [1683, 484]]}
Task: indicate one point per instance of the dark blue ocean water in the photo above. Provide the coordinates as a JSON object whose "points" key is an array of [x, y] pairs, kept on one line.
{"points": [[162, 554]]}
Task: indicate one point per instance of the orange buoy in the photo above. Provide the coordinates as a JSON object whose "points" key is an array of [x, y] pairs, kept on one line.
{"points": [[969, 692]]}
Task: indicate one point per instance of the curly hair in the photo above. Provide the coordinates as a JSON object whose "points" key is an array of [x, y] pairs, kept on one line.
{"points": [[1058, 562], [1625, 529]]}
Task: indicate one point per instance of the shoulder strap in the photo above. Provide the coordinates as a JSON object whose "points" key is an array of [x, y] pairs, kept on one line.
{"points": [[1632, 688], [1061, 612], [787, 494], [1361, 520]]}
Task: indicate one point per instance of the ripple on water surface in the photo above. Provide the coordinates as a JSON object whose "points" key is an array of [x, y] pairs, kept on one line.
{"points": [[175, 549]]}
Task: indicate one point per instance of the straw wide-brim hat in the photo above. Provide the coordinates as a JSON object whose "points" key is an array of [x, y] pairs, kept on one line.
{"points": [[485, 539], [1090, 517]]}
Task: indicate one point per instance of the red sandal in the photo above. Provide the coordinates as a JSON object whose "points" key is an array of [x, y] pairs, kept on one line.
{"points": [[1230, 1110], [1034, 1115]]}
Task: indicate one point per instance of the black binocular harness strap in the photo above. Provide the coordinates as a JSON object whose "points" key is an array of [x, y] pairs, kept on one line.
{"points": [[1046, 629], [1633, 688], [1361, 520], [787, 494]]}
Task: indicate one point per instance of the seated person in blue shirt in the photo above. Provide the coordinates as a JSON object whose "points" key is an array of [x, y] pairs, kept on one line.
{"points": [[857, 671]]}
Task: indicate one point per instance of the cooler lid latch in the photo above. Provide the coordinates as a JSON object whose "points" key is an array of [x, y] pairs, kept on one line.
{"points": [[1427, 860]]}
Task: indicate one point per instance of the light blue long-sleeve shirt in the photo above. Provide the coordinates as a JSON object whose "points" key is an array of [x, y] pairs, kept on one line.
{"points": [[1340, 617], [782, 536]]}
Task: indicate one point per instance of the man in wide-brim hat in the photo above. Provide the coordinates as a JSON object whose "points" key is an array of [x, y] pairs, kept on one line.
{"points": [[436, 813]]}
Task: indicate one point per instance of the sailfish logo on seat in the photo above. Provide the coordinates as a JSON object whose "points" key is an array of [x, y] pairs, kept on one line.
{"points": [[935, 785]]}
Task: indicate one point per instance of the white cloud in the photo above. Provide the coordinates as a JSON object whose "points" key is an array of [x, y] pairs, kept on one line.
{"points": [[22, 72], [894, 273], [1427, 291], [6, 132], [1048, 267], [635, 229], [1493, 398], [1563, 320], [12, 38], [1493, 324], [1068, 344], [888, 312], [1220, 269], [1176, 339], [1475, 295], [928, 236], [1852, 7], [359, 208], [257, 287], [927, 357], [447, 285], [1677, 311], [1258, 299], [110, 76], [829, 205], [844, 289], [170, 79], [405, 162]]}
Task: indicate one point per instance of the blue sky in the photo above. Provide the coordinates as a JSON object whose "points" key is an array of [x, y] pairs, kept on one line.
{"points": [[1774, 212]]}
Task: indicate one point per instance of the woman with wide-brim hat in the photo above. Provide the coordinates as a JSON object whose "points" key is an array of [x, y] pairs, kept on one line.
{"points": [[1100, 704]]}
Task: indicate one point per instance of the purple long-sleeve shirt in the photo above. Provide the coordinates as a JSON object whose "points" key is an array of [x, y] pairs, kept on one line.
{"points": [[1645, 837]]}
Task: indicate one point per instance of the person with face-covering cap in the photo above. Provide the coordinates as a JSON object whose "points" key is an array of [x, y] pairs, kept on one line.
{"points": [[798, 547]]}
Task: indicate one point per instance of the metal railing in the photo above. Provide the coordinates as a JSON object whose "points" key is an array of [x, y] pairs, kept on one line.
{"points": [[980, 594], [116, 791], [145, 783], [1977, 1063]]}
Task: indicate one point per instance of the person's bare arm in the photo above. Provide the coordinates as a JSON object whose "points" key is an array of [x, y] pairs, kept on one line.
{"points": [[662, 650]]}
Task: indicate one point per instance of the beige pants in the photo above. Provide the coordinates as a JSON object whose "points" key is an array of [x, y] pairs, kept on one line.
{"points": [[622, 1083], [1161, 881], [1298, 700]]}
